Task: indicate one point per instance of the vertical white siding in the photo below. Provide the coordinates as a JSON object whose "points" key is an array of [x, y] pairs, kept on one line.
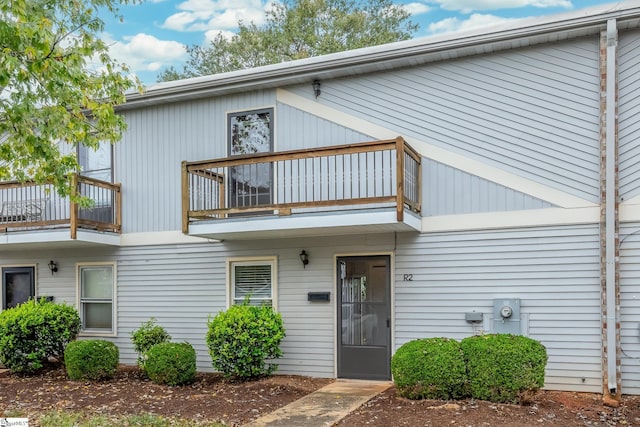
{"points": [[554, 271], [630, 307], [533, 112], [450, 191], [629, 113], [298, 129]]}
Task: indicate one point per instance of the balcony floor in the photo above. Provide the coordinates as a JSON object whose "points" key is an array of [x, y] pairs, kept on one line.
{"points": [[56, 238], [306, 225]]}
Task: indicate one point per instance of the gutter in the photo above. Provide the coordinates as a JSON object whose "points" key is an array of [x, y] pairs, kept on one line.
{"points": [[400, 54]]}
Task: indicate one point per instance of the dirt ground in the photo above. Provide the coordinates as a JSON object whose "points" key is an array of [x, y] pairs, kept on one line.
{"points": [[211, 398]]}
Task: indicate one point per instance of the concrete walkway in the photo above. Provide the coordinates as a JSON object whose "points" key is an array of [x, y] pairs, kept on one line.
{"points": [[325, 406]]}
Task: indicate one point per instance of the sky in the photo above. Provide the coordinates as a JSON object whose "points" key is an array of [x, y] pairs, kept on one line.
{"points": [[153, 34]]}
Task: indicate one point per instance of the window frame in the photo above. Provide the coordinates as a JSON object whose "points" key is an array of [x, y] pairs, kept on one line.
{"points": [[80, 301], [265, 260], [88, 151]]}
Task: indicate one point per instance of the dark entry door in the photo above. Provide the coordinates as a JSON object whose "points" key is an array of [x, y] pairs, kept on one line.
{"points": [[18, 285], [364, 315]]}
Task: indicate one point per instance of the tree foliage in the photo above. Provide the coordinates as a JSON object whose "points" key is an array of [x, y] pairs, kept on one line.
{"points": [[58, 86], [297, 29]]}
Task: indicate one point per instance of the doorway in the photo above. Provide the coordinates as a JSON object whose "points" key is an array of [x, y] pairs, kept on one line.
{"points": [[18, 285], [364, 317]]}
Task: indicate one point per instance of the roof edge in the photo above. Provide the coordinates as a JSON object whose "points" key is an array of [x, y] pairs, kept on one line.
{"points": [[287, 72]]}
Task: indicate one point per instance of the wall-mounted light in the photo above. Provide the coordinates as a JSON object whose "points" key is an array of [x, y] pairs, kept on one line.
{"points": [[304, 257], [53, 267], [316, 88]]}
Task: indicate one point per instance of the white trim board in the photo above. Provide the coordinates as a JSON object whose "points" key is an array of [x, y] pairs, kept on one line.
{"points": [[513, 219], [474, 167]]}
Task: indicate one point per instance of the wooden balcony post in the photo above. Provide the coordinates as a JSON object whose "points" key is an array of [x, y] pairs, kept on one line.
{"points": [[185, 198], [119, 208], [400, 178], [73, 217]]}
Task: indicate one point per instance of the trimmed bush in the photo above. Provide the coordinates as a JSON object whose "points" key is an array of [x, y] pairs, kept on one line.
{"points": [[504, 368], [431, 368], [243, 338], [148, 335], [92, 360], [171, 363], [34, 331]]}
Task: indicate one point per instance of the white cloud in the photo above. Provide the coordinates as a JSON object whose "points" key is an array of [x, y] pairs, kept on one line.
{"points": [[467, 6], [211, 34], [416, 8], [476, 20], [144, 52], [204, 15]]}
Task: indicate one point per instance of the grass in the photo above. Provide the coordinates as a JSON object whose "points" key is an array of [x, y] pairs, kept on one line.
{"points": [[80, 419]]}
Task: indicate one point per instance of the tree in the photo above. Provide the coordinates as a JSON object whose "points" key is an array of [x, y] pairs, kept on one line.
{"points": [[58, 86], [297, 29]]}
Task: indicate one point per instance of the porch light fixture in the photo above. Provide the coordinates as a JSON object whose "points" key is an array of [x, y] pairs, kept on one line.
{"points": [[304, 257], [53, 267], [316, 88]]}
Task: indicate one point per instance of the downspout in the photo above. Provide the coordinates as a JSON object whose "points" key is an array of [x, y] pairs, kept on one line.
{"points": [[611, 190]]}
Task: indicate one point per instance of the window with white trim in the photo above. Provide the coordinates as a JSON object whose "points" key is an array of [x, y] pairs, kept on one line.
{"points": [[97, 297], [253, 280]]}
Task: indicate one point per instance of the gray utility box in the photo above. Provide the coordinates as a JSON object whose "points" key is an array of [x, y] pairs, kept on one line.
{"points": [[506, 316]]}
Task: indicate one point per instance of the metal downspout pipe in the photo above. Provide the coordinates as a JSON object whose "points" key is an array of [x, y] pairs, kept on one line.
{"points": [[610, 209]]}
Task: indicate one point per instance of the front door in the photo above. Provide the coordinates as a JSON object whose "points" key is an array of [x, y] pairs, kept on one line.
{"points": [[364, 316], [18, 286]]}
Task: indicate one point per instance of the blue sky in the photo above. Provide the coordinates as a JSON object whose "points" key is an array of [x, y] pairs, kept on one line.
{"points": [[153, 34]]}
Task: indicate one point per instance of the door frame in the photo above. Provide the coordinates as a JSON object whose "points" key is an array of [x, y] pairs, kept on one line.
{"points": [[10, 266], [392, 299]]}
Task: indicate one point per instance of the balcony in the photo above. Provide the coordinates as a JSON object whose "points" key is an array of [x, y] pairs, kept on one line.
{"points": [[33, 214], [347, 189]]}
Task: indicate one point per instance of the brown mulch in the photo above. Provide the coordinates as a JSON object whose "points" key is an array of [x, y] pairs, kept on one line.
{"points": [[211, 398], [549, 408]]}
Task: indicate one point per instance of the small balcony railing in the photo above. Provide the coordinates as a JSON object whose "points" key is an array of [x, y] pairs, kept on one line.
{"points": [[28, 206], [369, 174]]}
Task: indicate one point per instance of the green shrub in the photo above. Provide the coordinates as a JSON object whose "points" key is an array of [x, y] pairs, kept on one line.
{"points": [[148, 335], [243, 338], [92, 360], [171, 363], [34, 331], [431, 368], [504, 368]]}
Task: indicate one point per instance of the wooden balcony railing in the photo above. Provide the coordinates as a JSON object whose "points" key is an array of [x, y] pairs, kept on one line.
{"points": [[378, 173], [31, 206]]}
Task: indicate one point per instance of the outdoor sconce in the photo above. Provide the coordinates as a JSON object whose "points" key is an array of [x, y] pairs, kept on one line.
{"points": [[53, 267], [316, 88], [304, 257]]}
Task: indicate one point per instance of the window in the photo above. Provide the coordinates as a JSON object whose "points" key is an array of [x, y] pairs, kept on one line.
{"points": [[253, 279], [251, 132], [96, 163], [97, 297]]}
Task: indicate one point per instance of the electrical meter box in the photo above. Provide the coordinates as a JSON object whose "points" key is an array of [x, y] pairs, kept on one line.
{"points": [[506, 316]]}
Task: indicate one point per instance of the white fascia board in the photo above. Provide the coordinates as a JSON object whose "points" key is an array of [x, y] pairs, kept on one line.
{"points": [[159, 238], [60, 236], [474, 167], [590, 20], [513, 219]]}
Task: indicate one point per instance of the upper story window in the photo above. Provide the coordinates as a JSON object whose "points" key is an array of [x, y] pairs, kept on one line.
{"points": [[251, 132], [98, 163]]}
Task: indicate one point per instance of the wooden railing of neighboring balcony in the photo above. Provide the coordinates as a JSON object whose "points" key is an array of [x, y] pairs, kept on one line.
{"points": [[32, 206], [368, 173]]}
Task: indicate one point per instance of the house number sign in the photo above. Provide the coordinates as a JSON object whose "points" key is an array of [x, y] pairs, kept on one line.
{"points": [[407, 277]]}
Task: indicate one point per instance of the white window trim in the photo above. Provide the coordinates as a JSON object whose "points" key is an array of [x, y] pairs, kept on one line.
{"points": [[273, 260], [114, 304]]}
